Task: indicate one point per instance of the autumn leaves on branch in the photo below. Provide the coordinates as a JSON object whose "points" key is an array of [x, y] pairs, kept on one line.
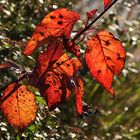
{"points": [[56, 73]]}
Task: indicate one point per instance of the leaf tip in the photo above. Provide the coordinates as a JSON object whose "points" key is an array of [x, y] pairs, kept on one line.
{"points": [[91, 13]]}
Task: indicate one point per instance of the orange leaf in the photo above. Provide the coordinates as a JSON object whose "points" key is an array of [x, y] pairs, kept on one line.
{"points": [[79, 92], [58, 23], [19, 107], [105, 56]]}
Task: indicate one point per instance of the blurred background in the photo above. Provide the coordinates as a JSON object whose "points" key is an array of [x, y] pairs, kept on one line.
{"points": [[116, 119]]}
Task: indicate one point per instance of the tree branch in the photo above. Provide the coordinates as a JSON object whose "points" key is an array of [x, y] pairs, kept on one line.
{"points": [[88, 26]]}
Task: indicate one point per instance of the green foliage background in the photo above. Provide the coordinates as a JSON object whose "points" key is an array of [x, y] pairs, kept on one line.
{"points": [[116, 119]]}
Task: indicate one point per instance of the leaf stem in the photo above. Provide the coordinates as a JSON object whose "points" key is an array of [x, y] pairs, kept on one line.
{"points": [[88, 26]]}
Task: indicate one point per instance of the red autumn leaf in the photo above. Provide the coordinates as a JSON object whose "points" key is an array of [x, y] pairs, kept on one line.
{"points": [[91, 13], [58, 23], [18, 105], [107, 3], [79, 92], [105, 57]]}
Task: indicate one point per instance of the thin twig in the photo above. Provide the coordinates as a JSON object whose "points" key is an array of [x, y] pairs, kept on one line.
{"points": [[88, 26]]}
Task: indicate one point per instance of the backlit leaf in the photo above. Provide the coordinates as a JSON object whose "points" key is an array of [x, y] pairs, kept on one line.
{"points": [[58, 23], [105, 58], [19, 105]]}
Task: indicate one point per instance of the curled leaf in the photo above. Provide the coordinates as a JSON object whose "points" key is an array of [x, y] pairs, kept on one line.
{"points": [[105, 57], [18, 105]]}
